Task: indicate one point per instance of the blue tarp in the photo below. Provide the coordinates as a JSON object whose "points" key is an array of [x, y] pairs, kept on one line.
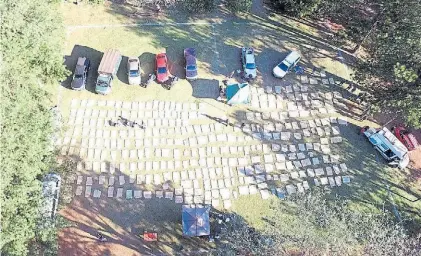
{"points": [[238, 93], [196, 221]]}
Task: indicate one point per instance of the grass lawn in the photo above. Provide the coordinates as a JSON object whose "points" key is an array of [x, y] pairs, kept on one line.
{"points": [[218, 55]]}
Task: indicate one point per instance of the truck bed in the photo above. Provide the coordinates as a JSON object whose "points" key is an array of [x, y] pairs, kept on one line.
{"points": [[108, 61]]}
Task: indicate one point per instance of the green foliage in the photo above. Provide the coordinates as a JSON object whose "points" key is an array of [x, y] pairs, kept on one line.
{"points": [[46, 242], [298, 8], [311, 225], [31, 50], [239, 5], [393, 67], [198, 6], [405, 74]]}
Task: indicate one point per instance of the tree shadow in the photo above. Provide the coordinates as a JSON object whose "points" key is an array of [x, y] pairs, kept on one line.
{"points": [[122, 73], [205, 88], [122, 220]]}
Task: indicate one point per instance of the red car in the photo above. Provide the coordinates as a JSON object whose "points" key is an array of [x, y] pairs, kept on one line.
{"points": [[407, 138], [162, 74]]}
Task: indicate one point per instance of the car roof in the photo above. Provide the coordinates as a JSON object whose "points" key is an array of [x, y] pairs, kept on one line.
{"points": [[160, 59], [79, 70], [250, 58], [390, 140], [190, 60], [81, 61], [292, 57], [190, 51], [133, 63]]}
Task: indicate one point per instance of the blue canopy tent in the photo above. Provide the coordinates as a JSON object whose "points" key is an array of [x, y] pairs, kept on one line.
{"points": [[196, 221], [238, 93]]}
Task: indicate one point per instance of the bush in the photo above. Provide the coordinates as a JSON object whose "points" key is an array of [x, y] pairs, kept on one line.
{"points": [[239, 5], [298, 8], [309, 224], [197, 6]]}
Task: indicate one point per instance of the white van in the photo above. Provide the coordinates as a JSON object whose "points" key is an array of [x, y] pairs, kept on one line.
{"points": [[287, 64], [388, 145]]}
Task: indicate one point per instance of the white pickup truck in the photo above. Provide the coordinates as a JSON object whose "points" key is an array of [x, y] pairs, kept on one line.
{"points": [[388, 145]]}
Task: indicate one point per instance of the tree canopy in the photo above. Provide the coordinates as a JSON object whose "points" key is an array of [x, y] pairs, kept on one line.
{"points": [[392, 69], [390, 33], [312, 225], [31, 43]]}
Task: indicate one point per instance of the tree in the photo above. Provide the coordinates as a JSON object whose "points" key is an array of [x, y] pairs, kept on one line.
{"points": [[197, 6], [239, 5], [298, 8], [311, 225], [393, 67], [31, 43]]}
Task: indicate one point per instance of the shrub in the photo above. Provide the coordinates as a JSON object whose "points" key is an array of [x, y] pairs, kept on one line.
{"points": [[198, 6], [239, 5], [298, 8]]}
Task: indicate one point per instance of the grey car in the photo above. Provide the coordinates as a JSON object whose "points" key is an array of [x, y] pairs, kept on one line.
{"points": [[191, 63], [134, 71], [81, 73]]}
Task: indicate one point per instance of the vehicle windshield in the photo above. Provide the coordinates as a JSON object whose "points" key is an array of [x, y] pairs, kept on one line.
{"points": [[389, 153], [102, 81], [134, 73], [250, 66], [162, 70], [78, 76], [191, 68], [283, 67]]}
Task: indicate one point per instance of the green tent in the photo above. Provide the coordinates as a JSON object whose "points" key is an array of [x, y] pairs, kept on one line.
{"points": [[238, 94]]}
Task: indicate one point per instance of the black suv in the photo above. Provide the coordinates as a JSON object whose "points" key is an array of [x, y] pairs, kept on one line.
{"points": [[81, 73]]}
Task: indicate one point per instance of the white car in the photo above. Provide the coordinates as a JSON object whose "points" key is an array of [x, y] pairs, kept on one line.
{"points": [[249, 62], [287, 64], [134, 71]]}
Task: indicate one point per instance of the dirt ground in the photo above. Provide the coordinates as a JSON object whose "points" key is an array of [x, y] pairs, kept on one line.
{"points": [[123, 223]]}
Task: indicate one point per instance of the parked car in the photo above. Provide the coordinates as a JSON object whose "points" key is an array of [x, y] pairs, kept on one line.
{"points": [[107, 70], [287, 64], [191, 63], [388, 146], [407, 138], [134, 71], [50, 192], [249, 62], [162, 73], [81, 74]]}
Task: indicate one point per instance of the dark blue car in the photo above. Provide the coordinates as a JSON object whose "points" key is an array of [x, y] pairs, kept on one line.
{"points": [[81, 74], [191, 65]]}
